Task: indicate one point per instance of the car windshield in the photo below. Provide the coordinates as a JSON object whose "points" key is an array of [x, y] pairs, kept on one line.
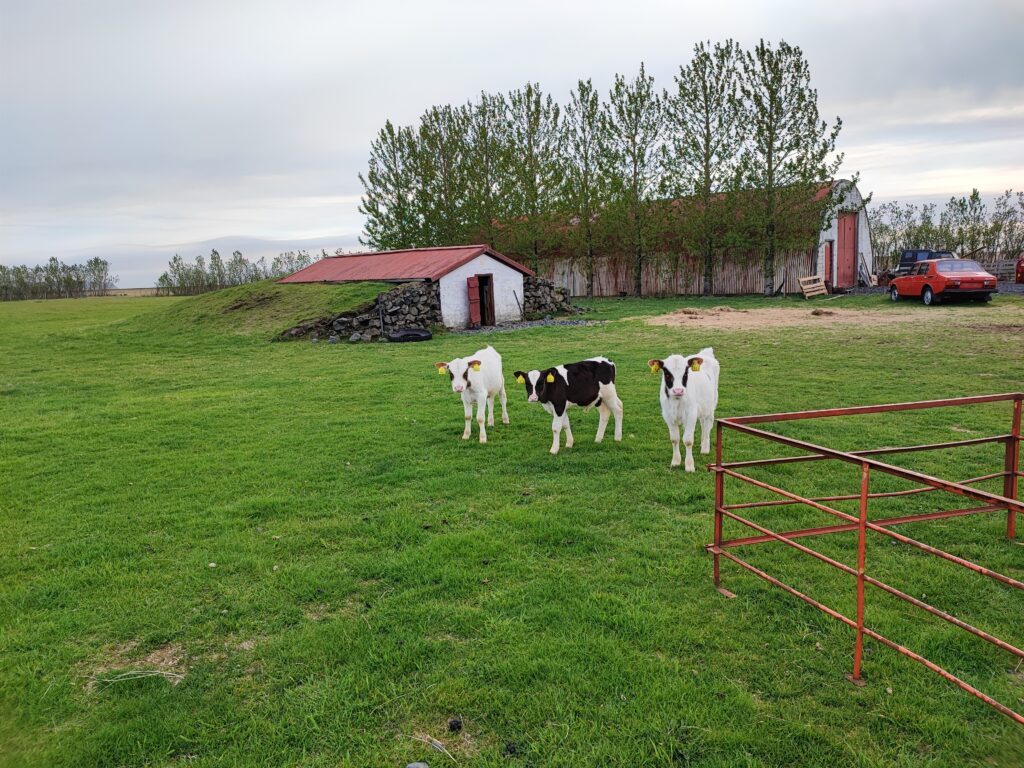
{"points": [[959, 265]]}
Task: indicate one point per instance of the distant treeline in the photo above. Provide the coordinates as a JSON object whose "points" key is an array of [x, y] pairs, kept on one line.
{"points": [[187, 278], [56, 280], [730, 160], [965, 226]]}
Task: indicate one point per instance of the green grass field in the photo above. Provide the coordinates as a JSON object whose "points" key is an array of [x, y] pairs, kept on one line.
{"points": [[313, 569]]}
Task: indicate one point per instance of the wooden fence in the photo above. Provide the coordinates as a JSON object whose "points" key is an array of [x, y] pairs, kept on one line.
{"points": [[672, 275]]}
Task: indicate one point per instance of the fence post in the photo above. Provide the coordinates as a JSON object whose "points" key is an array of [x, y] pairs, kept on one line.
{"points": [[719, 502], [858, 648], [1011, 465]]}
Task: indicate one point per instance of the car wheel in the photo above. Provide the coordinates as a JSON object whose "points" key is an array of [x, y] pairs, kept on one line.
{"points": [[928, 296], [894, 293]]}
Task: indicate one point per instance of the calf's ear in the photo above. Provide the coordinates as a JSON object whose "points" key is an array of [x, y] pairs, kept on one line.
{"points": [[695, 363], [442, 368], [474, 364], [655, 365], [520, 377]]}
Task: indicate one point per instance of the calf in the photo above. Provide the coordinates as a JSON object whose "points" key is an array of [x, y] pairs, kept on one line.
{"points": [[586, 384], [478, 378], [689, 391]]}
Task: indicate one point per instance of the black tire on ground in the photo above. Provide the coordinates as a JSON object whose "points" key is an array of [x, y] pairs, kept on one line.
{"points": [[410, 334], [894, 293], [928, 296]]}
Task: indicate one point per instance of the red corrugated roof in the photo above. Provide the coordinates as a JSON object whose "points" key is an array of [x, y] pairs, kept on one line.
{"points": [[412, 264]]}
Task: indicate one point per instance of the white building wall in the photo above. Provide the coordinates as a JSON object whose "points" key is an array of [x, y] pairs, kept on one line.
{"points": [[851, 199], [508, 284]]}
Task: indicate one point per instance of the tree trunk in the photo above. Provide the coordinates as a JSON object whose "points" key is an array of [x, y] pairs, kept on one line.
{"points": [[590, 271], [769, 263], [709, 269], [638, 273]]}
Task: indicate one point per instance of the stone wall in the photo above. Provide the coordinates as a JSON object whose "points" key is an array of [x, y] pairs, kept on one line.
{"points": [[543, 297], [410, 305]]}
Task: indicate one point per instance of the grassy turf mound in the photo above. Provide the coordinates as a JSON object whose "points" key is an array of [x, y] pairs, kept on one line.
{"points": [[267, 308]]}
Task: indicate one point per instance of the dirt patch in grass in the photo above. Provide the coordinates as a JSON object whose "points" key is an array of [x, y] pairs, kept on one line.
{"points": [[732, 319], [121, 663]]}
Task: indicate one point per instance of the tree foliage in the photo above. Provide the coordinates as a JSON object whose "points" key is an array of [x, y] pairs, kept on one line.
{"points": [[964, 226], [733, 160], [187, 278], [702, 151], [788, 150], [56, 280]]}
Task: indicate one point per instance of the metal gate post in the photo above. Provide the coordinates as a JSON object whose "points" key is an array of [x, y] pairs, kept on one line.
{"points": [[1011, 465], [862, 531], [719, 511]]}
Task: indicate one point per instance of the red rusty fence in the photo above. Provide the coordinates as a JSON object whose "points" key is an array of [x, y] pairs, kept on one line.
{"points": [[989, 503]]}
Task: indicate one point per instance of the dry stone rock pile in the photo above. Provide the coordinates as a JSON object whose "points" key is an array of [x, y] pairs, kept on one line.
{"points": [[544, 298]]}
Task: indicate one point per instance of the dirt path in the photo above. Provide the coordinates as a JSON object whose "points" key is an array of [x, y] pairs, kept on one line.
{"points": [[728, 318]]}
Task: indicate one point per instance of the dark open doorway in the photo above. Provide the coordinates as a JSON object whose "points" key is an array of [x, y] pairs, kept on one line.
{"points": [[486, 299]]}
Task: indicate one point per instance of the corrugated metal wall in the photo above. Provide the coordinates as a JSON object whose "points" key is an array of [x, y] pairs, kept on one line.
{"points": [[677, 275]]}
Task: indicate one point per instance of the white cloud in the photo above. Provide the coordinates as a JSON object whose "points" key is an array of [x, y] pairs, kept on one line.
{"points": [[181, 122]]}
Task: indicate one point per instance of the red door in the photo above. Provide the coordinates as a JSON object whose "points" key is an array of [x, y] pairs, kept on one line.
{"points": [[473, 289], [846, 264], [828, 263]]}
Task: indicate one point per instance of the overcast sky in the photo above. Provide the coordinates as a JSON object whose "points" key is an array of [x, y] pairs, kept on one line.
{"points": [[130, 124]]}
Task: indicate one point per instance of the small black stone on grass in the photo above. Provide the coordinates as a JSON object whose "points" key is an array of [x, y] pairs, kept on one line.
{"points": [[455, 724], [511, 749]]}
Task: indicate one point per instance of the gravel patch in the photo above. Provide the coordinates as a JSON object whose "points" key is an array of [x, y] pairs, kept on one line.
{"points": [[507, 327]]}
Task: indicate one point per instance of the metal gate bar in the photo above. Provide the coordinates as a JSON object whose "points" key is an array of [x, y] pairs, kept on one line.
{"points": [[991, 502]]}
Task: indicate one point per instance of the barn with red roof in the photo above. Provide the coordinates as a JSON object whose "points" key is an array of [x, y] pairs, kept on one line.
{"points": [[477, 285]]}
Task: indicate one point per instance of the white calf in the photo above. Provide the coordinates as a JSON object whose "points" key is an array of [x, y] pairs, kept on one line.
{"points": [[478, 378], [689, 391]]}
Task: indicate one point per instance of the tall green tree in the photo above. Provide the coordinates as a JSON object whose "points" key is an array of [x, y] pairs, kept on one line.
{"points": [[632, 130], [583, 186], [702, 150], [487, 158], [965, 224], [789, 155], [534, 147], [442, 161], [389, 191]]}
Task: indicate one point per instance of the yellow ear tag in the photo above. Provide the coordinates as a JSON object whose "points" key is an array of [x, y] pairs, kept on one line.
{"points": [[694, 366], [655, 368], [442, 371], [476, 367], [520, 380], [550, 378]]}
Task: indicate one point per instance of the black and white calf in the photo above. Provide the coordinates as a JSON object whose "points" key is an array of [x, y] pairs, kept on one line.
{"points": [[478, 378], [584, 384], [689, 391]]}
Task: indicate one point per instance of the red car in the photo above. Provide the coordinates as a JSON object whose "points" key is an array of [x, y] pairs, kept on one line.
{"points": [[938, 279]]}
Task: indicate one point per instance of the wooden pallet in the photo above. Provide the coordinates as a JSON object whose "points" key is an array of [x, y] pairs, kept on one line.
{"points": [[813, 286]]}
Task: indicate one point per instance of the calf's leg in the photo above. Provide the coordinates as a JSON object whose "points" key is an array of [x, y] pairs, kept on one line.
{"points": [[556, 430], [706, 422], [617, 410], [490, 410], [689, 426], [568, 430], [481, 406], [468, 407], [673, 435], [504, 405], [602, 423]]}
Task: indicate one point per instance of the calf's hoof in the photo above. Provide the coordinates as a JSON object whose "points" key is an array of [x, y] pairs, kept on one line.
{"points": [[505, 420]]}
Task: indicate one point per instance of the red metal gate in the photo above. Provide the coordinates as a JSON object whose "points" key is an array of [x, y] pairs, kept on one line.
{"points": [[989, 503], [473, 289]]}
